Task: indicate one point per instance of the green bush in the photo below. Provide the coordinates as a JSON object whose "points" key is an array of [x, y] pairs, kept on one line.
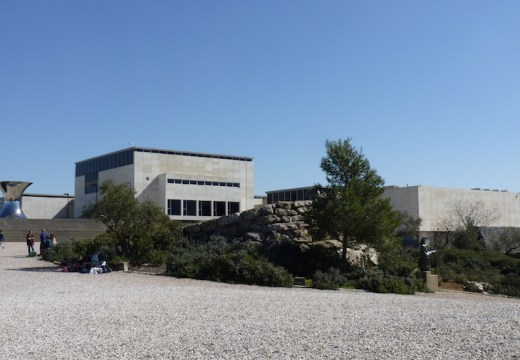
{"points": [[157, 257], [461, 265], [220, 260], [297, 260], [377, 281], [76, 250], [509, 285], [330, 280], [394, 274]]}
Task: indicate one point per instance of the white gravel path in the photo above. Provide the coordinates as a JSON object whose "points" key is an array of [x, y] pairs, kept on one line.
{"points": [[47, 314]]}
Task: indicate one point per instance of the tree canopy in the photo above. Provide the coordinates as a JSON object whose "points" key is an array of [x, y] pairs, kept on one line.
{"points": [[351, 207], [137, 226]]}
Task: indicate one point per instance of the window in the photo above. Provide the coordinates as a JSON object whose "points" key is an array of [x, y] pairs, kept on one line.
{"points": [[189, 207], [233, 207], [203, 183], [219, 208], [174, 207], [204, 208]]}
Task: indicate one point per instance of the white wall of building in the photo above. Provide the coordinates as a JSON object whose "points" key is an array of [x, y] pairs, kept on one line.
{"points": [[433, 204], [47, 206]]}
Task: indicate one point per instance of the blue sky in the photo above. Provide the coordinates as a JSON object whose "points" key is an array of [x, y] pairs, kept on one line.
{"points": [[429, 90]]}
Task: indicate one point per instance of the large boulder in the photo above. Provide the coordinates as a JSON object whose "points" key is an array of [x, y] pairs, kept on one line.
{"points": [[361, 254]]}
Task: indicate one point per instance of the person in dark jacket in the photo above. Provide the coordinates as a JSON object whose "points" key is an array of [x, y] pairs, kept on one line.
{"points": [[30, 242], [43, 240]]}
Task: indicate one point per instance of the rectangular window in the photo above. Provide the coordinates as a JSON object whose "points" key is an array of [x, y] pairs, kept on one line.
{"points": [[219, 208], [189, 208], [233, 207], [204, 208], [174, 207]]}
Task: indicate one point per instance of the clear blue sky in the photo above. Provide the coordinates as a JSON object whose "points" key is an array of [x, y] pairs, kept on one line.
{"points": [[429, 90]]}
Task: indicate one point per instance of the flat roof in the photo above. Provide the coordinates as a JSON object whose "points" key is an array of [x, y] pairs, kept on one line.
{"points": [[173, 152]]}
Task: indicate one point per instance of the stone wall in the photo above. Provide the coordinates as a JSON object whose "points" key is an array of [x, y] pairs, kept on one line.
{"points": [[283, 220]]}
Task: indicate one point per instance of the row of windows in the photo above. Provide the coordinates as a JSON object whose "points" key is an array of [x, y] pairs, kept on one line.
{"points": [[288, 195], [202, 182], [202, 207], [110, 161]]}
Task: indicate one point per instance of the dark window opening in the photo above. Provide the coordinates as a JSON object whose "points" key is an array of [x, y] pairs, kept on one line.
{"points": [[189, 207], [233, 207], [219, 208], [204, 208], [174, 207]]}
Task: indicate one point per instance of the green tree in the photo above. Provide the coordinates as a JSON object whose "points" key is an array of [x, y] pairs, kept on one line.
{"points": [[351, 208], [137, 227], [509, 240], [409, 228]]}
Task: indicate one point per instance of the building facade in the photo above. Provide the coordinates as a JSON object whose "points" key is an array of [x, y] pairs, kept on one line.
{"points": [[433, 204], [189, 186]]}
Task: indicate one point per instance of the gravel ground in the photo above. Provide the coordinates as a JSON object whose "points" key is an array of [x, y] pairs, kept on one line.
{"points": [[47, 314]]}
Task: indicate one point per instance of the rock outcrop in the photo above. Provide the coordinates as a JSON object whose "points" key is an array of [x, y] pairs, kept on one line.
{"points": [[280, 221], [275, 222]]}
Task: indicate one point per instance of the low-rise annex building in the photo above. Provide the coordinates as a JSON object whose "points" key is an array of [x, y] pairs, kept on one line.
{"points": [[189, 186], [433, 204]]}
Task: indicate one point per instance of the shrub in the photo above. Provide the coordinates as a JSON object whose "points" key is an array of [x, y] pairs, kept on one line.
{"points": [[461, 265], [377, 281], [157, 257], [220, 260], [76, 250], [330, 280], [394, 274], [510, 285], [303, 262]]}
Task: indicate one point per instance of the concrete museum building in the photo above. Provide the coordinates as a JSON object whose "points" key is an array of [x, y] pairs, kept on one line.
{"points": [[189, 186], [432, 204]]}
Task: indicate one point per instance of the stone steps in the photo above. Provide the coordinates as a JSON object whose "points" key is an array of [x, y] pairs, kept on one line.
{"points": [[63, 229]]}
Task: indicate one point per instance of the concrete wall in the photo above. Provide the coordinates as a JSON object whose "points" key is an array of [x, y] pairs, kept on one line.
{"points": [[46, 206], [432, 204], [404, 199]]}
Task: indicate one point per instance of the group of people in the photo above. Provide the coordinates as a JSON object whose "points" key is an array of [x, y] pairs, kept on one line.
{"points": [[46, 241]]}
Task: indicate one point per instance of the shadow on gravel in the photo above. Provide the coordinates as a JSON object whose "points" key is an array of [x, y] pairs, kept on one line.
{"points": [[36, 269]]}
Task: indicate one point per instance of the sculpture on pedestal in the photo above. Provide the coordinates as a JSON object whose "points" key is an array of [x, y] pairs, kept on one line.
{"points": [[424, 255], [13, 191]]}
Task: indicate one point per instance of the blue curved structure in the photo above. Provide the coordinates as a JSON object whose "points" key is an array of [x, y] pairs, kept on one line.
{"points": [[13, 191]]}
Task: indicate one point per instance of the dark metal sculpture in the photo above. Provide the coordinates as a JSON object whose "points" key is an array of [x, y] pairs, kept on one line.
{"points": [[13, 191], [424, 255]]}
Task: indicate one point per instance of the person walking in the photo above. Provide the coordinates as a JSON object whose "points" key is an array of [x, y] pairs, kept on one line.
{"points": [[30, 242], [43, 240]]}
